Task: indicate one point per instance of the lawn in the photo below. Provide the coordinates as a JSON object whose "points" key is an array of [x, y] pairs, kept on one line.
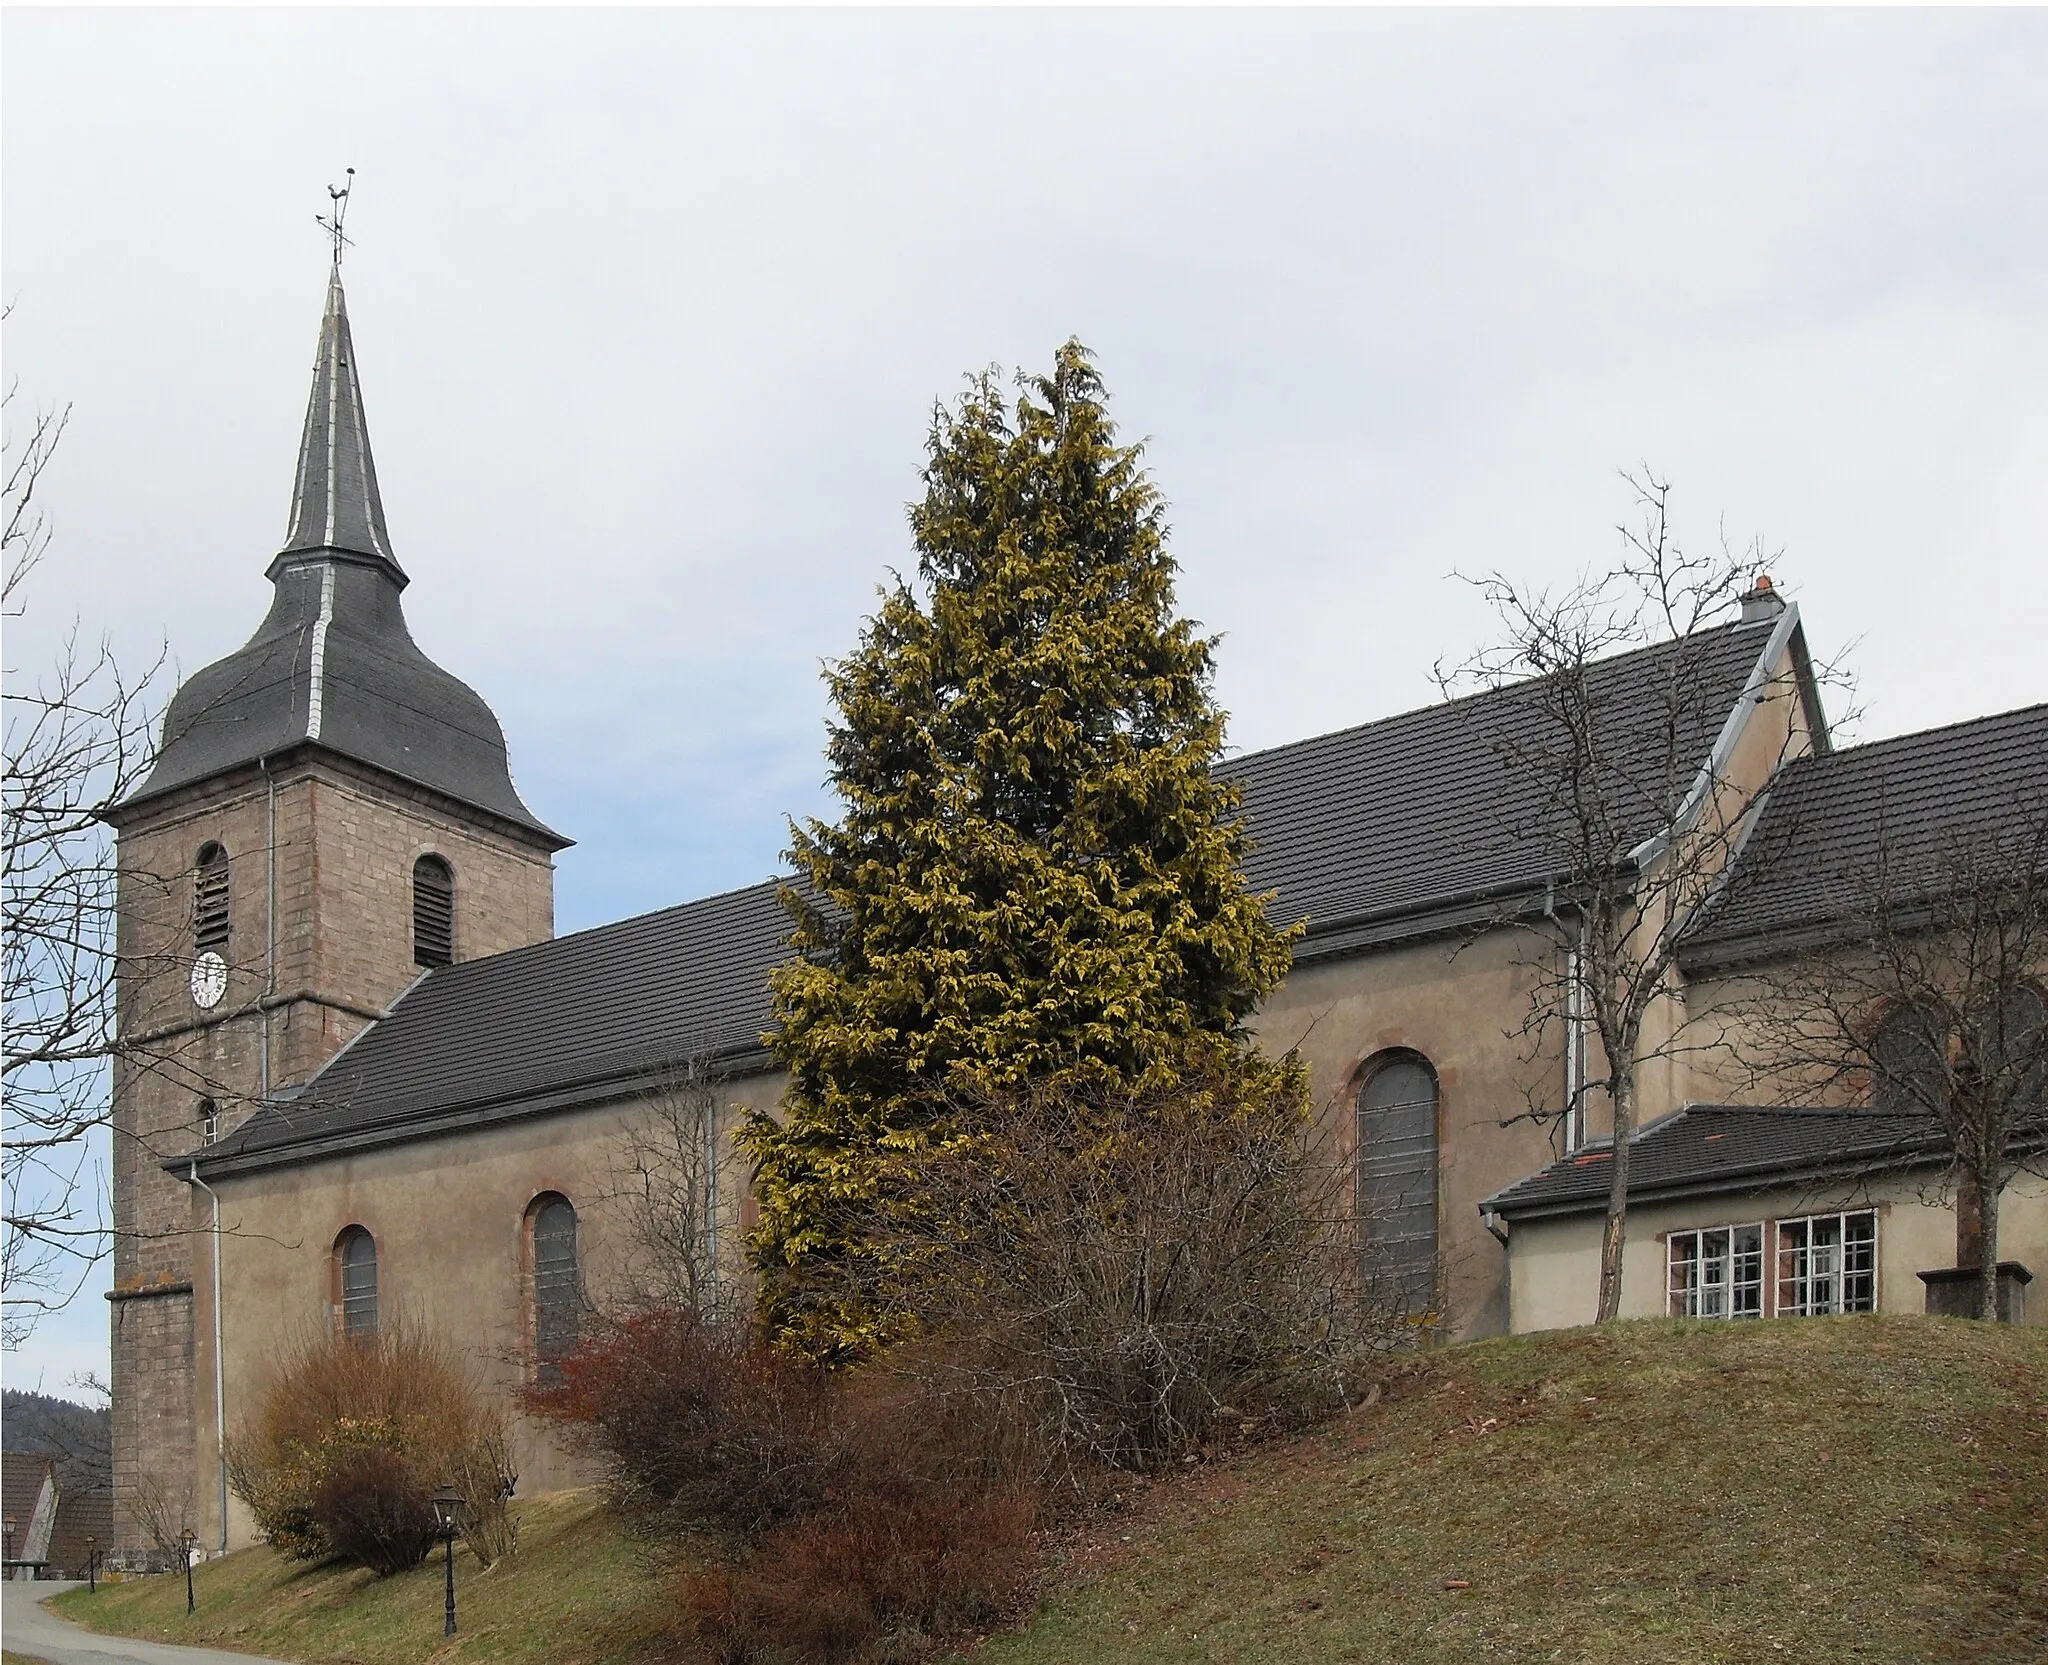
{"points": [[1862, 1489], [579, 1592]]}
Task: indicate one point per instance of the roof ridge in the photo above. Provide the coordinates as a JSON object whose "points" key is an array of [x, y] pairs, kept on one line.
{"points": [[1483, 694], [1863, 747]]}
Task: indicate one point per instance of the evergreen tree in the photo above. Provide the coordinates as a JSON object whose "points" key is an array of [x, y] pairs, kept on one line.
{"points": [[1036, 876]]}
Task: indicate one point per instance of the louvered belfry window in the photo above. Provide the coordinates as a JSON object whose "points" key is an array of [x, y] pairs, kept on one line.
{"points": [[210, 901], [433, 912], [557, 1288]]}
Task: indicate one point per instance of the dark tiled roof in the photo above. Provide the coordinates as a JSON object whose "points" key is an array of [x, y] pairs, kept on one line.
{"points": [[22, 1474], [570, 1021], [79, 1515], [1707, 1148], [1895, 807], [1378, 832], [333, 665], [1413, 824]]}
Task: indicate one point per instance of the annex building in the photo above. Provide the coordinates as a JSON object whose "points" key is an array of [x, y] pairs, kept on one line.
{"points": [[361, 1074]]}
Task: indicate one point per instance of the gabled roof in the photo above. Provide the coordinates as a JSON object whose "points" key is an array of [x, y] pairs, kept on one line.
{"points": [[1432, 819], [1705, 1149], [333, 666], [576, 1020], [1889, 813], [1395, 829]]}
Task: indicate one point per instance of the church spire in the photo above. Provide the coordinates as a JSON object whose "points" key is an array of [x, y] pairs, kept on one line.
{"points": [[335, 504]]}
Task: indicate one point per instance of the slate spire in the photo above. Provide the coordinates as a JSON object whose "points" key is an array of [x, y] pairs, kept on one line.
{"points": [[335, 504]]}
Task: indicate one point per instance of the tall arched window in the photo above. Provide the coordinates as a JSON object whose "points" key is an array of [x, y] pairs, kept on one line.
{"points": [[1397, 1177], [557, 1288], [1909, 1059], [210, 901], [2012, 1045], [355, 1278], [433, 912]]}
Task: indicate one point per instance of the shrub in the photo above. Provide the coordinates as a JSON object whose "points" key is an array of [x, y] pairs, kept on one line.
{"points": [[1123, 1269], [351, 1438], [698, 1424]]}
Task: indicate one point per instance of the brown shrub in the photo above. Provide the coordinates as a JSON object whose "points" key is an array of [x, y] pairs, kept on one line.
{"points": [[698, 1424], [878, 1576], [352, 1436]]}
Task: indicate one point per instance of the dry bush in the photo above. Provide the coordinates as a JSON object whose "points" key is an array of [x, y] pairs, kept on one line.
{"points": [[879, 1576], [353, 1436], [1120, 1270], [697, 1424]]}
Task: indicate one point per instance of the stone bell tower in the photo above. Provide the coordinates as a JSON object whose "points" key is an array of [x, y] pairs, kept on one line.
{"points": [[330, 815]]}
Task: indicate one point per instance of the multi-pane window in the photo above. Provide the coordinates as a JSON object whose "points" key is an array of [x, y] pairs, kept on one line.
{"points": [[210, 901], [1717, 1273], [557, 1290], [209, 1121], [1827, 1263], [356, 1273], [433, 912], [1397, 1179]]}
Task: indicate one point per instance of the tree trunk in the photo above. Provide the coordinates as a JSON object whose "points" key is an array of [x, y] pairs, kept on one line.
{"points": [[1969, 1217], [1622, 1092], [1987, 1250]]}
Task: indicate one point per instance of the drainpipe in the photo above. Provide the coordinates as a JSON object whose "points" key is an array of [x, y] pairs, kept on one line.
{"points": [[269, 933], [220, 1409]]}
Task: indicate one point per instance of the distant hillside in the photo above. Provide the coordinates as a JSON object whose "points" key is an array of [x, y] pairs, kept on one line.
{"points": [[80, 1437]]}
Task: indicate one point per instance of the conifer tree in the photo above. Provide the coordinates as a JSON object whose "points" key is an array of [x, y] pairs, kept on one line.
{"points": [[1036, 875]]}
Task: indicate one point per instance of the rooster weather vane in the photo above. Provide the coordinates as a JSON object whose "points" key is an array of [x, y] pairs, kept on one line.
{"points": [[337, 212]]}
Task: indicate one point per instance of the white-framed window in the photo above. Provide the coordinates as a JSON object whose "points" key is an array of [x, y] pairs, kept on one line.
{"points": [[1717, 1273], [1827, 1263]]}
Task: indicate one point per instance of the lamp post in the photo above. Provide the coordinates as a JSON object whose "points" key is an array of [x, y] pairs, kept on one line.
{"points": [[448, 1512], [92, 1564], [188, 1537]]}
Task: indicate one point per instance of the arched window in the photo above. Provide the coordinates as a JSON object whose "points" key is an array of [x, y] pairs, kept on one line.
{"points": [[557, 1289], [209, 1121], [1397, 1177], [210, 901], [1909, 1059], [2012, 1046], [355, 1278], [433, 912]]}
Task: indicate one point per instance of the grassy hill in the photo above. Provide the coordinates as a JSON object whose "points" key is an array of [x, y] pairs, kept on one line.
{"points": [[1868, 1489]]}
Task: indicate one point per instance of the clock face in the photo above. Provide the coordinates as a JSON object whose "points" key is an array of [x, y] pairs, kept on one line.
{"points": [[209, 980]]}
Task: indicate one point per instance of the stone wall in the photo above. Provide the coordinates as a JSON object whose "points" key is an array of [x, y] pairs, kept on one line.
{"points": [[334, 846]]}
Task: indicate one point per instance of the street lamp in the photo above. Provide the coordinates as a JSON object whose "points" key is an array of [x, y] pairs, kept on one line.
{"points": [[448, 1513], [189, 1538], [92, 1564]]}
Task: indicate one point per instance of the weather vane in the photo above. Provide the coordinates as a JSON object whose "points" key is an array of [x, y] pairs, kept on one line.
{"points": [[331, 221]]}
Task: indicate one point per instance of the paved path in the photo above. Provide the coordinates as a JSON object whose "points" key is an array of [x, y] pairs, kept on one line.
{"points": [[26, 1626]]}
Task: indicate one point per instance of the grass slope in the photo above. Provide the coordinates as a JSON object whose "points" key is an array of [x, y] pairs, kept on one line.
{"points": [[1867, 1490], [577, 1593], [1864, 1489]]}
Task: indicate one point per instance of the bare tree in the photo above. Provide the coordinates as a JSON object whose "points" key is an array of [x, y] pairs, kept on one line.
{"points": [[1926, 996], [670, 1178], [1619, 781], [78, 738]]}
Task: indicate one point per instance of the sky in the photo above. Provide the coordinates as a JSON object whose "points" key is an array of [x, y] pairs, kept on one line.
{"points": [[651, 310]]}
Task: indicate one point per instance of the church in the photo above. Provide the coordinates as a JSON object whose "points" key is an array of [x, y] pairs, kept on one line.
{"points": [[361, 1076]]}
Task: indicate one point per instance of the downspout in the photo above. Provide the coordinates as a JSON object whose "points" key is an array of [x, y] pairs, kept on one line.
{"points": [[269, 930], [220, 1409]]}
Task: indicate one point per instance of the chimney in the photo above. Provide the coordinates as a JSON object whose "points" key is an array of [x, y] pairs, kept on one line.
{"points": [[1762, 601]]}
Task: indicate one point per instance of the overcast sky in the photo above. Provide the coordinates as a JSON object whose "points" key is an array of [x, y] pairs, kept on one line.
{"points": [[651, 309]]}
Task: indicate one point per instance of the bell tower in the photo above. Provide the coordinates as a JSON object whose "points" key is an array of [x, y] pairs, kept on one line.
{"points": [[330, 816]]}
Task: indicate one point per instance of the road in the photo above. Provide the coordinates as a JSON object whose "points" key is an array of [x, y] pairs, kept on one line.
{"points": [[28, 1627]]}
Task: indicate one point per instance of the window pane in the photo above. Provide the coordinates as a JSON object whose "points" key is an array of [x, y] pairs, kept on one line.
{"points": [[1397, 1160], [557, 1295], [359, 1284]]}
